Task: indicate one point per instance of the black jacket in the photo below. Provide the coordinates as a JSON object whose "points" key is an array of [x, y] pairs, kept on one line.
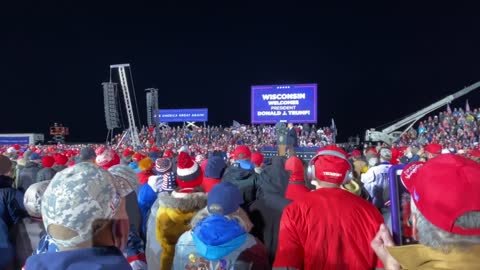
{"points": [[28, 176], [245, 180], [292, 137], [11, 202], [45, 174], [59, 168], [266, 212]]}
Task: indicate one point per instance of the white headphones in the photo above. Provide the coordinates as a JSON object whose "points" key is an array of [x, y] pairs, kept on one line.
{"points": [[311, 165]]}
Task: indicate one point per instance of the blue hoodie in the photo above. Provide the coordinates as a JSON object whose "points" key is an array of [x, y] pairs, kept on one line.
{"points": [[246, 165], [219, 243], [216, 236], [96, 258]]}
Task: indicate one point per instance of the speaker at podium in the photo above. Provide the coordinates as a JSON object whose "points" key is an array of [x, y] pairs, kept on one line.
{"points": [[282, 144]]}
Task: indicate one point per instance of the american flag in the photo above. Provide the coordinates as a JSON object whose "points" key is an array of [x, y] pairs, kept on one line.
{"points": [[169, 183]]}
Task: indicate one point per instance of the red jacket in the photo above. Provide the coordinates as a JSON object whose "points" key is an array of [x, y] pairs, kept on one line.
{"points": [[296, 188], [209, 183], [329, 228]]}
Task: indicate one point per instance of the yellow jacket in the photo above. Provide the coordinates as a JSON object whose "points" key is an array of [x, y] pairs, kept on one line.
{"points": [[173, 219], [420, 257]]}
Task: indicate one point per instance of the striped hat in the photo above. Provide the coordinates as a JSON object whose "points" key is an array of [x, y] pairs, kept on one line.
{"points": [[189, 174]]}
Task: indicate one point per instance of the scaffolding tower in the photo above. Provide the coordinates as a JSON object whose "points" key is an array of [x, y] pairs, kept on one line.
{"points": [[132, 132]]}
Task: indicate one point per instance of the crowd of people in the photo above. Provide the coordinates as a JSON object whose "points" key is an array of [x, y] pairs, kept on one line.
{"points": [[206, 198], [202, 140], [457, 130]]}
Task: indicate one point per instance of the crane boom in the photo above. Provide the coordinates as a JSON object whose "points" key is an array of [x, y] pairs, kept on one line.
{"points": [[386, 134]]}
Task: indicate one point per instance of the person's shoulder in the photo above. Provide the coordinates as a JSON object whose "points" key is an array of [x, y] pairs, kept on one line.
{"points": [[323, 197], [254, 251], [358, 204], [383, 166], [185, 239], [309, 200]]}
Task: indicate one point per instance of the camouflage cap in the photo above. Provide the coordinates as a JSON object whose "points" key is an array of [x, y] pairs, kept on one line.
{"points": [[76, 198], [126, 180]]}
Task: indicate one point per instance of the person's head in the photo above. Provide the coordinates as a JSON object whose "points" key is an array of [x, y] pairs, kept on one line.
{"points": [[294, 165], [35, 158], [372, 162], [385, 155], [163, 165], [107, 159], [87, 154], [225, 200], [125, 179], [189, 174], [11, 153], [137, 157], [242, 152], [257, 159], [168, 154], [146, 164], [154, 155], [5, 166], [127, 154], [81, 208], [290, 125], [371, 152], [60, 159], [215, 168], [356, 154], [48, 161], [330, 168], [445, 202], [32, 200], [432, 150]]}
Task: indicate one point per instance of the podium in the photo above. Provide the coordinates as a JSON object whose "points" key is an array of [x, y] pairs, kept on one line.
{"points": [[282, 145]]}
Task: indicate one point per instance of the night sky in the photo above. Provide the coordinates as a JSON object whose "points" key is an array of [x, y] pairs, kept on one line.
{"points": [[373, 64]]}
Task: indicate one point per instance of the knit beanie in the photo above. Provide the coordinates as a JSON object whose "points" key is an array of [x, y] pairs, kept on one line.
{"points": [[189, 174], [107, 159], [127, 153], [163, 165], [145, 164], [215, 167], [48, 161], [60, 159]]}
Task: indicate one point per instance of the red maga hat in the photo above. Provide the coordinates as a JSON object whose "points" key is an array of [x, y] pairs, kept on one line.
{"points": [[443, 189], [433, 148], [356, 153], [242, 152]]}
